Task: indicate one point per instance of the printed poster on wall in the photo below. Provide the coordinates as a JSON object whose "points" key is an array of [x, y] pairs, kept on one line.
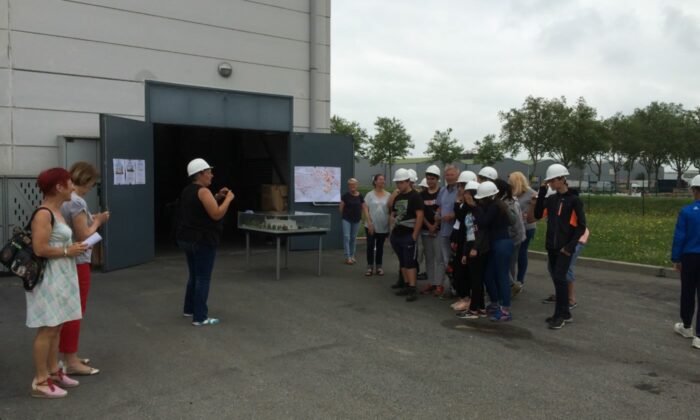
{"points": [[320, 184], [129, 171]]}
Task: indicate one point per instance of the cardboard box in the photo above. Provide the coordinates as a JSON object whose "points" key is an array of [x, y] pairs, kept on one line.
{"points": [[273, 197]]}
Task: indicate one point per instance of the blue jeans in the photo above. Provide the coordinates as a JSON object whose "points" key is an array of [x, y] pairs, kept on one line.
{"points": [[522, 257], [200, 261], [496, 277], [349, 237], [572, 264]]}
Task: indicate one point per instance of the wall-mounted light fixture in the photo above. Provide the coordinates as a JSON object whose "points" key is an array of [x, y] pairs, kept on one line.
{"points": [[225, 70]]}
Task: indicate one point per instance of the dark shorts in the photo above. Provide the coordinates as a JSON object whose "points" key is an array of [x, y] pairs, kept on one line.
{"points": [[405, 248]]}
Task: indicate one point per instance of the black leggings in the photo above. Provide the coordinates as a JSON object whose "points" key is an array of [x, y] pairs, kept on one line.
{"points": [[476, 282], [461, 278], [375, 240]]}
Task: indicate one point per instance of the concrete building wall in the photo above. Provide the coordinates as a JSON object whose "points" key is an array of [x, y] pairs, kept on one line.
{"points": [[62, 63]]}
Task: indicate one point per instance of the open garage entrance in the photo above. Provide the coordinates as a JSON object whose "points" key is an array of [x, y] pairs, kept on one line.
{"points": [[248, 139], [243, 161]]}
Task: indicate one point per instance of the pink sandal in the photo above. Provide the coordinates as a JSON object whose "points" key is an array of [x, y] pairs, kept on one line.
{"points": [[63, 380], [52, 392]]}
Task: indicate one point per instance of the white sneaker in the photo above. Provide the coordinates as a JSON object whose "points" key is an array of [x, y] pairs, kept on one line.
{"points": [[685, 332], [696, 342]]}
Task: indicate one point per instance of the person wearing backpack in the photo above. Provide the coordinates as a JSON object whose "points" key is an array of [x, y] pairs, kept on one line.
{"points": [[516, 230], [493, 215], [55, 300], [523, 193]]}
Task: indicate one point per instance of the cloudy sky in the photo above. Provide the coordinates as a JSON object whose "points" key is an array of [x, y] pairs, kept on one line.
{"points": [[456, 63]]}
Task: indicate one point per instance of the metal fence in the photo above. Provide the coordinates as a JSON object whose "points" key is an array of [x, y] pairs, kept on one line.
{"points": [[18, 199]]}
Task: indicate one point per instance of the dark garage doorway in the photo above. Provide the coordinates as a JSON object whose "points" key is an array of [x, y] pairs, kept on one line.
{"points": [[243, 160]]}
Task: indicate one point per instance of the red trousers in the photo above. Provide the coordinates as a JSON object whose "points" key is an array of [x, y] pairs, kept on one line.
{"points": [[70, 333]]}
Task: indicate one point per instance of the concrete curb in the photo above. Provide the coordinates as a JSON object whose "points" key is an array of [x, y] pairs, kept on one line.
{"points": [[647, 270]]}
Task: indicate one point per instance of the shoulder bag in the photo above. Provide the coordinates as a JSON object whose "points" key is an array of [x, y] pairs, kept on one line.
{"points": [[19, 257]]}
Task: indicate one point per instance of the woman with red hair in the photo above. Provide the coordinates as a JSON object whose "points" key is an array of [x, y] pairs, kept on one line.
{"points": [[56, 298]]}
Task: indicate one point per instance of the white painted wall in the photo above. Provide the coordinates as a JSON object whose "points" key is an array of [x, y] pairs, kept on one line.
{"points": [[63, 62]]}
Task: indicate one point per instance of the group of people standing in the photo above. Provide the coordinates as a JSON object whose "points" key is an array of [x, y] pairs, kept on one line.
{"points": [[471, 236], [57, 303], [474, 233]]}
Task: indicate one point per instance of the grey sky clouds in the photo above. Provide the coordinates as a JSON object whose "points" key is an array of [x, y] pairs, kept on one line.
{"points": [[456, 63]]}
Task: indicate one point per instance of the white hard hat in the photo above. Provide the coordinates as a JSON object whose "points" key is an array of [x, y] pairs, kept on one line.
{"points": [[550, 191], [696, 181], [197, 165], [486, 189], [413, 176], [433, 170], [466, 176], [423, 183], [488, 172], [401, 174], [472, 185], [556, 170]]}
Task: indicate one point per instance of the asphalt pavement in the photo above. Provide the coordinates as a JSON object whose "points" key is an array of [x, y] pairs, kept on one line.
{"points": [[343, 346]]}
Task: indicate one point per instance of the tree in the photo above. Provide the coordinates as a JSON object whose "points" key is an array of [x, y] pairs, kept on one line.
{"points": [[489, 151], [681, 153], [631, 146], [389, 144], [340, 125], [657, 125], [599, 149], [532, 128], [619, 135], [443, 148], [578, 138], [693, 135]]}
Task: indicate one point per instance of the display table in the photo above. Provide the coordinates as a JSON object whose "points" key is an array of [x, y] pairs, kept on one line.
{"points": [[281, 225]]}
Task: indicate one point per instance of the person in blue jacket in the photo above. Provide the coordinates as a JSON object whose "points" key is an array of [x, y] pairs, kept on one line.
{"points": [[685, 255]]}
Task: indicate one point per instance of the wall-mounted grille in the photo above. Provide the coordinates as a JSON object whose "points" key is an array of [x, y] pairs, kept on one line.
{"points": [[23, 197], [18, 199]]}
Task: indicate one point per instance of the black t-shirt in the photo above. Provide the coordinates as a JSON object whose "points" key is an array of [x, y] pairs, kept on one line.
{"points": [[352, 211], [404, 208], [430, 205]]}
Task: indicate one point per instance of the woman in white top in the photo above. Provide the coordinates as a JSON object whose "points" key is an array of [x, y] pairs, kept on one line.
{"points": [[376, 213], [55, 300]]}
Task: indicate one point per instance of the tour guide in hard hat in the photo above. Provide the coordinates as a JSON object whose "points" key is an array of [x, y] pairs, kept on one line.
{"points": [[566, 222], [407, 210], [198, 233], [685, 255]]}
